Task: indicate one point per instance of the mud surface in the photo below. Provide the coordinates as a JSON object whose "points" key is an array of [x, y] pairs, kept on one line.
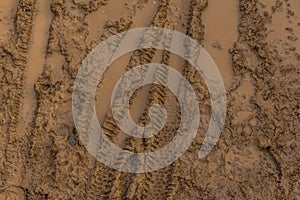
{"points": [[256, 45]]}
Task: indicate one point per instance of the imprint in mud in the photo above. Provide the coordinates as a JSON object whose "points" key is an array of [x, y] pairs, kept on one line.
{"points": [[103, 55]]}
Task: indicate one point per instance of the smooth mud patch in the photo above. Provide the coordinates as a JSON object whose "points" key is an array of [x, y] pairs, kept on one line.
{"points": [[145, 15], [221, 21], [109, 80], [36, 59], [8, 10]]}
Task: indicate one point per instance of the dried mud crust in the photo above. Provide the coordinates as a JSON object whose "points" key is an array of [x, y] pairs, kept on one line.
{"points": [[256, 157]]}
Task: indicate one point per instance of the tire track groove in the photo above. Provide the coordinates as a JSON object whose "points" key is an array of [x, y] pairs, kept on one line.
{"points": [[14, 154]]}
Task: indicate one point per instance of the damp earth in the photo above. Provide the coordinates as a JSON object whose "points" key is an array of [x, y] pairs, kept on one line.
{"points": [[256, 46]]}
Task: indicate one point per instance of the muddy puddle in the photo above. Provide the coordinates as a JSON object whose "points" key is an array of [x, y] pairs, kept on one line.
{"points": [[36, 59], [221, 21], [112, 75]]}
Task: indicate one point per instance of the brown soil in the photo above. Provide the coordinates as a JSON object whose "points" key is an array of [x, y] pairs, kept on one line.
{"points": [[256, 45]]}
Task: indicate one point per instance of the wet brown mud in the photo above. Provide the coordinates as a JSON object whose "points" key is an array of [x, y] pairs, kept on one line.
{"points": [[221, 32], [8, 10], [255, 44], [36, 60]]}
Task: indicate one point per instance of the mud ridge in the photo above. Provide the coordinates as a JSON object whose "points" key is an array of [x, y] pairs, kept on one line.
{"points": [[17, 52]]}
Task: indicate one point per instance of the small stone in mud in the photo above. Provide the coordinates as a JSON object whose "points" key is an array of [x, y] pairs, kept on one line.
{"points": [[217, 45], [72, 140], [75, 131]]}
